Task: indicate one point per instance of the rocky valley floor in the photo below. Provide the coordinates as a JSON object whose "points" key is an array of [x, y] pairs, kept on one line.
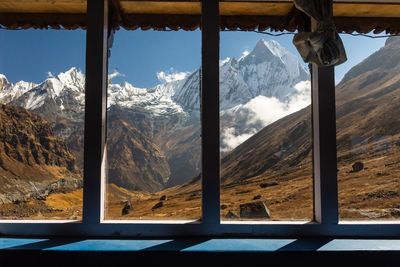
{"points": [[369, 193]]}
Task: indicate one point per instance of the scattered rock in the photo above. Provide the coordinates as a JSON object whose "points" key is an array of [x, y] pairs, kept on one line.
{"points": [[163, 197], [358, 166], [223, 206], [127, 208], [395, 213], [256, 197], [158, 205], [254, 210], [264, 185], [381, 194], [231, 215], [243, 192]]}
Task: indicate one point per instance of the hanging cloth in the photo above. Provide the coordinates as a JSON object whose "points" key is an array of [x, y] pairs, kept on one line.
{"points": [[323, 46]]}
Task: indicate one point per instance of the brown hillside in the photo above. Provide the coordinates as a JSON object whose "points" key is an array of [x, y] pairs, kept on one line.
{"points": [[134, 161], [33, 161]]}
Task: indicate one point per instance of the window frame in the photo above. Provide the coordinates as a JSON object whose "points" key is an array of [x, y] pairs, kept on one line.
{"points": [[325, 223]]}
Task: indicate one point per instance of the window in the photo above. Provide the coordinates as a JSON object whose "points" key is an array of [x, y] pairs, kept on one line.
{"points": [[324, 158], [42, 115], [153, 126], [367, 133], [265, 96]]}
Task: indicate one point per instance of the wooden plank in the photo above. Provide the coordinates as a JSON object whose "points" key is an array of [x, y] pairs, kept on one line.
{"points": [[95, 111], [366, 1], [194, 8], [153, 7], [343, 8], [44, 6], [255, 8], [366, 10]]}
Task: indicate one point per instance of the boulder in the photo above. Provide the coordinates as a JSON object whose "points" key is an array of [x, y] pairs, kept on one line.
{"points": [[264, 185], [358, 166], [158, 205], [254, 210], [163, 197], [127, 208], [231, 215]]}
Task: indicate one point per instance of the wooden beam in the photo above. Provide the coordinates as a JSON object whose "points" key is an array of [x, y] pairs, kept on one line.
{"points": [[194, 8], [324, 145], [95, 111], [366, 10], [324, 141], [154, 7], [43, 6], [255, 8], [209, 106]]}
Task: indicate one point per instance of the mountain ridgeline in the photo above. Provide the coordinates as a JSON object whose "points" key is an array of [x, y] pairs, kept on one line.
{"points": [[154, 133]]}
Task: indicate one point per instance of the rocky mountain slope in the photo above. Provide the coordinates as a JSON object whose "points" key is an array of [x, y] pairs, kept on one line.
{"points": [[368, 99], [135, 162], [33, 161]]}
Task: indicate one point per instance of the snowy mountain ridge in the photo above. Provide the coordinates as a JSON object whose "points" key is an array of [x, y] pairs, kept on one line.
{"points": [[268, 71]]}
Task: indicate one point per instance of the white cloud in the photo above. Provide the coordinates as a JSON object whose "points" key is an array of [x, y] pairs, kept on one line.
{"points": [[115, 74], [171, 75], [259, 112], [230, 139]]}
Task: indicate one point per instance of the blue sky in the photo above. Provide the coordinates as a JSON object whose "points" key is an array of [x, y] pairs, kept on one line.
{"points": [[139, 55]]}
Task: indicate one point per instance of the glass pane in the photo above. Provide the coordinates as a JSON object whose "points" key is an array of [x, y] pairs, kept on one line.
{"points": [[42, 94], [153, 126], [266, 171], [368, 129]]}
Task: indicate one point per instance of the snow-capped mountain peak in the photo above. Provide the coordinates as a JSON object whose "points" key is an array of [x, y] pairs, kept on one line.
{"points": [[276, 48], [3, 82], [261, 53], [73, 79], [9, 91], [269, 70]]}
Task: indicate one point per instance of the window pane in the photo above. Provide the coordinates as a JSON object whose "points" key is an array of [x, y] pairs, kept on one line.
{"points": [[153, 126], [42, 93], [368, 132], [266, 171]]}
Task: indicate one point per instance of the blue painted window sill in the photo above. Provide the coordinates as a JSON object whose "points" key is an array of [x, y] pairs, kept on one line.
{"points": [[200, 245]]}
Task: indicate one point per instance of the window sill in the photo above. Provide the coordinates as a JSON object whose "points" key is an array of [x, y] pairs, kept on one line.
{"points": [[200, 251]]}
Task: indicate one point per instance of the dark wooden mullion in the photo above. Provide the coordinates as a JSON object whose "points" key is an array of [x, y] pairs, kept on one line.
{"points": [[210, 112], [95, 110], [324, 134], [324, 140]]}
